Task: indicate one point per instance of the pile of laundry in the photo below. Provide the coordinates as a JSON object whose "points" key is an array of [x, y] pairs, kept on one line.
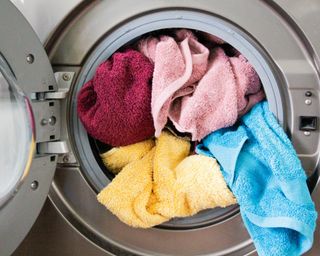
{"points": [[190, 130]]}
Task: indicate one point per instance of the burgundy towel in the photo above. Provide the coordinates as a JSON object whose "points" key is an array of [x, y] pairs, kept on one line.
{"points": [[115, 106]]}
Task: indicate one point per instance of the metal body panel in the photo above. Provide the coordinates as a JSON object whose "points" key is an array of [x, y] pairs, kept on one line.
{"points": [[52, 235], [18, 44], [306, 16], [18, 216], [82, 47], [105, 230], [45, 16], [286, 31]]}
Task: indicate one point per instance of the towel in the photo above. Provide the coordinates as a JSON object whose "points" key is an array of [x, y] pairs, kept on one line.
{"points": [[163, 183], [188, 81], [263, 171], [200, 185], [118, 157], [114, 106], [178, 65], [208, 109], [129, 193], [169, 152]]}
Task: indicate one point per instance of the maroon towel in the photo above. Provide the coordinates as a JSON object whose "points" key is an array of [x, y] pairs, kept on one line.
{"points": [[115, 106]]}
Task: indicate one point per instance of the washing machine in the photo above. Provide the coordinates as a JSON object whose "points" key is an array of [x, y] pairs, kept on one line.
{"points": [[48, 159]]}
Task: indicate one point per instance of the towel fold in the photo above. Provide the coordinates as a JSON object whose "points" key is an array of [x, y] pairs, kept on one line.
{"points": [[229, 88], [200, 185], [164, 183], [263, 171], [169, 152], [117, 158], [199, 92], [117, 100], [178, 65], [129, 193]]}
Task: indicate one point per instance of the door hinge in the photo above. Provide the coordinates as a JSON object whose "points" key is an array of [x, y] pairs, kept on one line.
{"points": [[53, 147], [49, 115], [64, 81], [59, 95]]}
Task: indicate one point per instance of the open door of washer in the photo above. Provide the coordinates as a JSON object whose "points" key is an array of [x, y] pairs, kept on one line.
{"points": [[29, 129]]}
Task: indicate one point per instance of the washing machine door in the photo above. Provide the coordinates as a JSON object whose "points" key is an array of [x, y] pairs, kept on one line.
{"points": [[29, 127]]}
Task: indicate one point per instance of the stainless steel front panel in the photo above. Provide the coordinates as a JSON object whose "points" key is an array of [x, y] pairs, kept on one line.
{"points": [[52, 235], [291, 55]]}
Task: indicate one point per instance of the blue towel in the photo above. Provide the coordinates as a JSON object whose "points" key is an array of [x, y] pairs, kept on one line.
{"points": [[263, 171]]}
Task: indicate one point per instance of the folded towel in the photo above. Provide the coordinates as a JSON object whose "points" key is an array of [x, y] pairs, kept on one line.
{"points": [[187, 85], [117, 158], [117, 100], [263, 171], [163, 184]]}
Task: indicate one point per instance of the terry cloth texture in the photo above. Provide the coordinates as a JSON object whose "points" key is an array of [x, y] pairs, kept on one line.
{"points": [[115, 105], [262, 169], [164, 183], [117, 158], [198, 91], [178, 66]]}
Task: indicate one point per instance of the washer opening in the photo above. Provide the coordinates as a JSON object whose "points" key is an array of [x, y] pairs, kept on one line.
{"points": [[89, 149], [99, 147]]}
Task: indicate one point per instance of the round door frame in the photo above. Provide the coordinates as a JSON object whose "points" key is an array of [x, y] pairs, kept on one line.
{"points": [[31, 70]]}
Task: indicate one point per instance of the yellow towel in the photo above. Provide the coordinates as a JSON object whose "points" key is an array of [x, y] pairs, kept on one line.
{"points": [[200, 185], [117, 158], [169, 152], [163, 184], [128, 194]]}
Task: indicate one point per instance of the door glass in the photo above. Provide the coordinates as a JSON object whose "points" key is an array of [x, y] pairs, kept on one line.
{"points": [[16, 136]]}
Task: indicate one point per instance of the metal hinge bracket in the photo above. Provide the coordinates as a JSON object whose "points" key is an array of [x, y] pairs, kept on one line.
{"points": [[47, 107], [53, 147]]}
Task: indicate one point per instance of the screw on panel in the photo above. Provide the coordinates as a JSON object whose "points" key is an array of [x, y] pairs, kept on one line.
{"points": [[44, 121], [308, 94], [307, 133], [66, 77], [52, 120], [308, 102], [34, 185], [30, 58], [66, 159]]}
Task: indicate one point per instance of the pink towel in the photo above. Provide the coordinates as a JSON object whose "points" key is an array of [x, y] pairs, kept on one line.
{"points": [[115, 106], [179, 65], [229, 88], [197, 94]]}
